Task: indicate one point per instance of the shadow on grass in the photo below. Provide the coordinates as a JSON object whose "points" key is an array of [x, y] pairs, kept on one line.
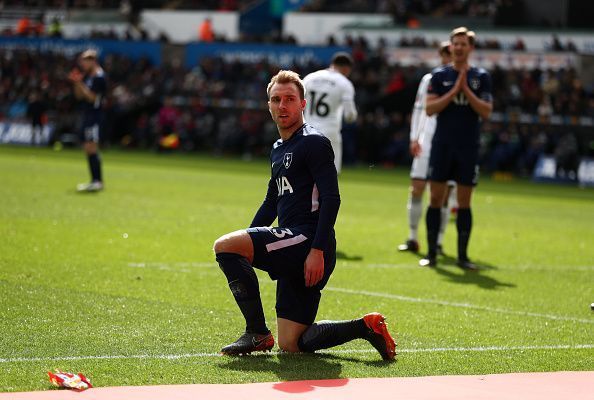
{"points": [[457, 275], [299, 367], [341, 255]]}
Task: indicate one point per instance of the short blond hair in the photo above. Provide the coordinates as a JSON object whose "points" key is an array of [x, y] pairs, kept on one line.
{"points": [[89, 54], [286, 76], [463, 31]]}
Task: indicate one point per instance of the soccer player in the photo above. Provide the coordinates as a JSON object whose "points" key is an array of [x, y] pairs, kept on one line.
{"points": [[301, 252], [90, 87], [422, 128], [461, 96], [330, 96]]}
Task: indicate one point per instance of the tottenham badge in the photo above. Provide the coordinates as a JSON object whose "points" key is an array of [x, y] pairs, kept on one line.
{"points": [[288, 157]]}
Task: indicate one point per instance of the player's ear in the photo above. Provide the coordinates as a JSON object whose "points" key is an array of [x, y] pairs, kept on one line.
{"points": [[303, 103]]}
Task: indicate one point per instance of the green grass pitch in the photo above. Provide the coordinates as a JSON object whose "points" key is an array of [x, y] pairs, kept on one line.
{"points": [[122, 285]]}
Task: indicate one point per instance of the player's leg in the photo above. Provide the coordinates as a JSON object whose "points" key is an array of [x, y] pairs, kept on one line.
{"points": [[234, 254], [91, 148], [295, 337], [445, 216], [296, 310], [433, 221], [414, 207], [327, 334], [418, 175], [440, 169], [466, 177], [464, 225]]}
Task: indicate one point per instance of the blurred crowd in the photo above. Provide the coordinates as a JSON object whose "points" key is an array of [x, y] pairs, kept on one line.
{"points": [[220, 107], [219, 5]]}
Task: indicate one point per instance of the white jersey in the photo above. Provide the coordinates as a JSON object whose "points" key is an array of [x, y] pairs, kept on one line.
{"points": [[329, 95], [422, 126]]}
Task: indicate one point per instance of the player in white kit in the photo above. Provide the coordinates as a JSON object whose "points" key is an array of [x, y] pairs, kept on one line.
{"points": [[330, 97], [422, 128]]}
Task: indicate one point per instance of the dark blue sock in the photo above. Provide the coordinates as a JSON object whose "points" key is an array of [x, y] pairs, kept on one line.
{"points": [[95, 167], [243, 283], [464, 225], [433, 222], [326, 334]]}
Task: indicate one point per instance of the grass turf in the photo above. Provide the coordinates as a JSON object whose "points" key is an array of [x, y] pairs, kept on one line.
{"points": [[122, 285]]}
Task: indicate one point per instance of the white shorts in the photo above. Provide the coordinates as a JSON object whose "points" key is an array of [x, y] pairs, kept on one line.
{"points": [[420, 165]]}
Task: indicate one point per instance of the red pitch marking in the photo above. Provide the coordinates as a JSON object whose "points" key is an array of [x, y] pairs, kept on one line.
{"points": [[528, 386]]}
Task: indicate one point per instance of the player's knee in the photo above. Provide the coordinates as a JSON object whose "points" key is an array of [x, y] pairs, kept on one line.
{"points": [[235, 243], [436, 201], [226, 244], [221, 245], [436, 198], [417, 190], [289, 346]]}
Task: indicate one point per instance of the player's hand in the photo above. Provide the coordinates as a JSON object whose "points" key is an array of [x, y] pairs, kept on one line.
{"points": [[415, 148], [460, 81], [75, 76], [314, 267]]}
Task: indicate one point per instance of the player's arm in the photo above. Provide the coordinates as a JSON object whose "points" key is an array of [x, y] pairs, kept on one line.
{"points": [[266, 214], [81, 91], [320, 161], [348, 104], [415, 120], [435, 103], [483, 105]]}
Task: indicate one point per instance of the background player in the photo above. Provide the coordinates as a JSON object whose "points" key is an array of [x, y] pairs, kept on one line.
{"points": [[461, 96], [90, 87], [330, 97], [421, 134], [301, 253]]}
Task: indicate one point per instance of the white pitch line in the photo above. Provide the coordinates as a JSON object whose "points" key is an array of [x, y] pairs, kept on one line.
{"points": [[507, 268], [354, 264], [346, 351], [455, 304], [182, 267]]}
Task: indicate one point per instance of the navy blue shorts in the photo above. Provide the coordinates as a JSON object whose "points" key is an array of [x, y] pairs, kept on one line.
{"points": [[282, 252], [451, 162], [90, 131]]}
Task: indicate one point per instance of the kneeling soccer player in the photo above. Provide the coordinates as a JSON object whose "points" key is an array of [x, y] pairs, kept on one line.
{"points": [[301, 253]]}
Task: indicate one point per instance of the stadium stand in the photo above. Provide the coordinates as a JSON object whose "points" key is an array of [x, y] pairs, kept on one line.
{"points": [[212, 114], [219, 106]]}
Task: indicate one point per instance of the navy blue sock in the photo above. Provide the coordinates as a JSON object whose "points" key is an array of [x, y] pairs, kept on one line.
{"points": [[433, 222], [244, 286], [95, 167], [326, 334], [464, 225]]}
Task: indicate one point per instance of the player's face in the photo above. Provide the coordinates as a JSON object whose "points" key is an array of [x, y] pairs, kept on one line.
{"points": [[460, 48], [446, 58], [286, 106], [86, 64]]}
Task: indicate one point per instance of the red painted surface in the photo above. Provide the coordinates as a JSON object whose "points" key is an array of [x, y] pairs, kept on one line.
{"points": [[529, 386]]}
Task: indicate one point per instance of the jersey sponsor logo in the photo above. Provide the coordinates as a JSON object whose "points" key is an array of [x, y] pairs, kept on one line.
{"points": [[287, 159], [283, 185], [447, 83], [475, 83]]}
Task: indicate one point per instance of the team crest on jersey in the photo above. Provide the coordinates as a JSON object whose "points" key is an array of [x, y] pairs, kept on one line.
{"points": [[475, 83], [288, 157]]}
